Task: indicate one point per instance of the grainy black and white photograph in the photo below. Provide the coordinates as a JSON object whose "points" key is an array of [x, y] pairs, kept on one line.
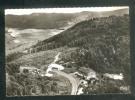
{"points": [[67, 51]]}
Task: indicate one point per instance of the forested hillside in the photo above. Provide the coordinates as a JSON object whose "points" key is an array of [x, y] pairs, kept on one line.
{"points": [[86, 31], [103, 44]]}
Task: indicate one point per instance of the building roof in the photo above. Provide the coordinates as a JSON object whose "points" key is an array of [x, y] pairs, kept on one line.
{"points": [[56, 66]]}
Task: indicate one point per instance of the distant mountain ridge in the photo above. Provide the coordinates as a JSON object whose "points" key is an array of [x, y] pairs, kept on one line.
{"points": [[55, 20]]}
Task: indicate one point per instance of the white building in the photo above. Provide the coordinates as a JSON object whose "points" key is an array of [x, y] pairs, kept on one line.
{"points": [[114, 76], [51, 67], [91, 74], [56, 66]]}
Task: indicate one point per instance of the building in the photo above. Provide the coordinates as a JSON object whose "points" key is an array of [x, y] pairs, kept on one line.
{"points": [[56, 66], [52, 67], [114, 76], [91, 74], [30, 69]]}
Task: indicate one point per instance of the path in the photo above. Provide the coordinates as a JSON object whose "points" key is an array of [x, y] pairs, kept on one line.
{"points": [[72, 81], [68, 76]]}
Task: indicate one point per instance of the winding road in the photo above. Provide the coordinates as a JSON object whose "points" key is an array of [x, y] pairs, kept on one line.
{"points": [[71, 79], [68, 76]]}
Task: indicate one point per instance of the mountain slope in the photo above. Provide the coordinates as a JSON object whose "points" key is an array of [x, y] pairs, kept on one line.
{"points": [[42, 21], [103, 45], [88, 30], [100, 44]]}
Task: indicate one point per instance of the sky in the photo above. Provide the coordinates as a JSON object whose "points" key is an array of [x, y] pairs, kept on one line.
{"points": [[60, 10]]}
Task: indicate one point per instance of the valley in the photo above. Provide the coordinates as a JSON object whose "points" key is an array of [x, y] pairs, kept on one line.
{"points": [[83, 54]]}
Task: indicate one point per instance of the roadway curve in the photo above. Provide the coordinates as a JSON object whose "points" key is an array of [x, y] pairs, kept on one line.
{"points": [[68, 76], [72, 81]]}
